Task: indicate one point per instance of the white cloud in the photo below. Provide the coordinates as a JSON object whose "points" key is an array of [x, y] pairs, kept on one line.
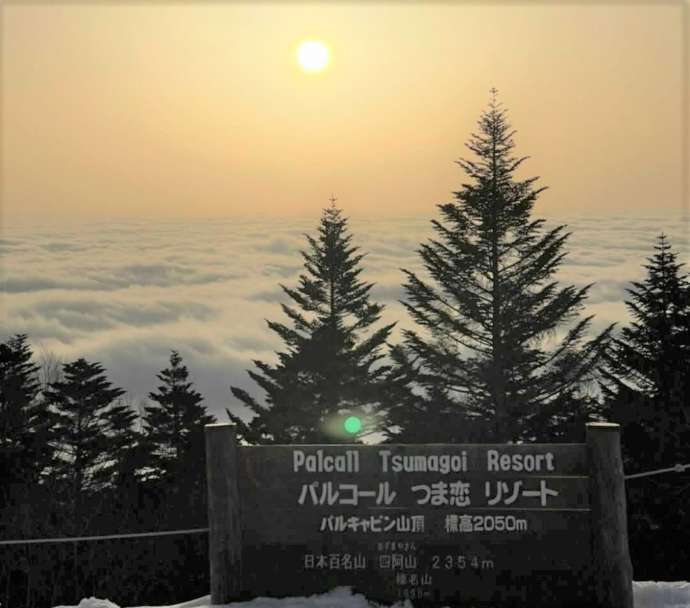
{"points": [[128, 292]]}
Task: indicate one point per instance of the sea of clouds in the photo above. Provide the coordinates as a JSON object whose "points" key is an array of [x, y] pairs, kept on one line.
{"points": [[124, 293]]}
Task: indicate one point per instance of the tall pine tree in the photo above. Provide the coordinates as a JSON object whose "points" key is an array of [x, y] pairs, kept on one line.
{"points": [[331, 365], [489, 305]]}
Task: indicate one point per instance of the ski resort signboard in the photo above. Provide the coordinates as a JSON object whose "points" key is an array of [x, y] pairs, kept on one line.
{"points": [[436, 524]]}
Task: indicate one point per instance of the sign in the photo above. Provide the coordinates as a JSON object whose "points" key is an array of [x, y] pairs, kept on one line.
{"points": [[438, 524]]}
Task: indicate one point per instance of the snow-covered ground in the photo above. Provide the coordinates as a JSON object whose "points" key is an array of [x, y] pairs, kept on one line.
{"points": [[647, 594]]}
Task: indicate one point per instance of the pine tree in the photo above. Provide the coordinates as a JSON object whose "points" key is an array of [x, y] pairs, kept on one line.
{"points": [[415, 416], [646, 378], [179, 416], [331, 365], [77, 406], [26, 505], [646, 381], [18, 391], [174, 429], [123, 443], [24, 448], [122, 478], [489, 303]]}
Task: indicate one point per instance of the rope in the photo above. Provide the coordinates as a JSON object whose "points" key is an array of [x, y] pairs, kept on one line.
{"points": [[677, 468], [74, 539]]}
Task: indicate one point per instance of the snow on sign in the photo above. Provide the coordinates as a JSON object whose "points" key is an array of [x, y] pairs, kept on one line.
{"points": [[438, 524]]}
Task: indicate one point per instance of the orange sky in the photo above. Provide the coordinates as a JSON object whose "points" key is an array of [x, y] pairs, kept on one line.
{"points": [[158, 110]]}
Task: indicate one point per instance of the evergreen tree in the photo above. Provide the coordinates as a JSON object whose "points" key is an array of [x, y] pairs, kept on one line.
{"points": [[123, 446], [123, 476], [331, 363], [174, 429], [24, 447], [77, 406], [26, 505], [422, 416], [646, 379], [18, 391], [179, 416], [490, 305]]}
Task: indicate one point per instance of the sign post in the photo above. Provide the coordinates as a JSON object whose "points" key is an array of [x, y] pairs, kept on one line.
{"points": [[612, 566], [480, 524], [224, 526]]}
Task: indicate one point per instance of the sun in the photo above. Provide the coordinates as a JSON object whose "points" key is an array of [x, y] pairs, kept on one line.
{"points": [[313, 55]]}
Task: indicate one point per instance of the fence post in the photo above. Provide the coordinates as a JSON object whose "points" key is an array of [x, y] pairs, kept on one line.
{"points": [[224, 526], [612, 567]]}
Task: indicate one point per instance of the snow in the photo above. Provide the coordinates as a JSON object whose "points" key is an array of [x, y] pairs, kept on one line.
{"points": [[651, 594], [647, 594]]}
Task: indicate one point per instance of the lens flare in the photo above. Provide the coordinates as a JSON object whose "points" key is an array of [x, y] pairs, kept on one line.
{"points": [[353, 425]]}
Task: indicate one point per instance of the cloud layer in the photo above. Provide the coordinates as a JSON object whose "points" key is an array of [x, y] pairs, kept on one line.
{"points": [[126, 293]]}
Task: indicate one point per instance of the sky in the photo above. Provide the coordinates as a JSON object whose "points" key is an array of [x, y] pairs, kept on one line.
{"points": [[162, 162], [165, 110]]}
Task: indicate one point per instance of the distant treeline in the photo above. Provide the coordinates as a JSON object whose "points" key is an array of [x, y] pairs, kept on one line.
{"points": [[500, 353]]}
